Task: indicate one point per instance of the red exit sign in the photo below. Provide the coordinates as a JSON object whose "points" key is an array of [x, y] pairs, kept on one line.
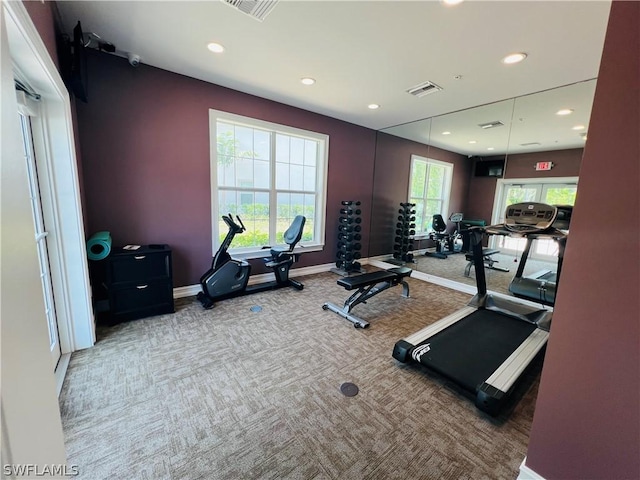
{"points": [[541, 166]]}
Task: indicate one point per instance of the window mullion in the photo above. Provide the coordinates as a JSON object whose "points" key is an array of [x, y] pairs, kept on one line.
{"points": [[273, 195]]}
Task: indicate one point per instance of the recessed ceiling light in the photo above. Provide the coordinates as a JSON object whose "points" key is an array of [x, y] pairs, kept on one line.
{"points": [[490, 148], [308, 80], [564, 111], [451, 2], [215, 47], [472, 141], [514, 58], [446, 133], [578, 127], [373, 106]]}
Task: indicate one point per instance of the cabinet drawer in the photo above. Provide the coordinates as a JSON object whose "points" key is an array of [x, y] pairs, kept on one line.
{"points": [[142, 300], [139, 268]]}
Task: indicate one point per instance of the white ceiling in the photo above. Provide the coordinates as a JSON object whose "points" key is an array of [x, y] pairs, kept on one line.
{"points": [[364, 51]]}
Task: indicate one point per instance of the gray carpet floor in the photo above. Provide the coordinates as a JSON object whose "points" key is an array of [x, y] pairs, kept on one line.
{"points": [[229, 393]]}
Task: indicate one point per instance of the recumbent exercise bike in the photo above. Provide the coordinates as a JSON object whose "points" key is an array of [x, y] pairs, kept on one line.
{"points": [[228, 277]]}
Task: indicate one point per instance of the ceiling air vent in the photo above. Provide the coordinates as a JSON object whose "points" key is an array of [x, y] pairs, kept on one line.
{"points": [[494, 124], [258, 9], [530, 144], [424, 89]]}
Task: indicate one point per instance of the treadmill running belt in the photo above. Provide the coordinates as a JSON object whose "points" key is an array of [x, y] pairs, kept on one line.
{"points": [[470, 350]]}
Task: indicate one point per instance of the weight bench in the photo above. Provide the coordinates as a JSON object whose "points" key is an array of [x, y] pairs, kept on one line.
{"points": [[486, 257], [368, 285]]}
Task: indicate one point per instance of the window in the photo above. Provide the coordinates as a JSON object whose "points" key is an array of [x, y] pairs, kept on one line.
{"points": [[266, 174], [429, 189]]}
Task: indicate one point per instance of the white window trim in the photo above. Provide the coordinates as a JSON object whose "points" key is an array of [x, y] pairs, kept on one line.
{"points": [[321, 195], [447, 187]]}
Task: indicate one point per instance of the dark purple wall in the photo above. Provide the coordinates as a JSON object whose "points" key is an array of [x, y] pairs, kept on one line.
{"points": [[145, 149], [391, 185], [587, 418], [566, 164]]}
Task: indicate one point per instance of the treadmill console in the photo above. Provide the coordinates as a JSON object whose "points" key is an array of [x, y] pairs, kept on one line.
{"points": [[530, 217]]}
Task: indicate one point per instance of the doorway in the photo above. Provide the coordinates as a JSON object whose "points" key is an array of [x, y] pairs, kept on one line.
{"points": [[558, 191], [41, 235]]}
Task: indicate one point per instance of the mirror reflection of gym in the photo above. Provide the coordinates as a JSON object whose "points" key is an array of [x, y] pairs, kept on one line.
{"points": [[526, 128]]}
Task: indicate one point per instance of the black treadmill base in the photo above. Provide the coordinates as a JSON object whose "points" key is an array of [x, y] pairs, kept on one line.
{"points": [[470, 350]]}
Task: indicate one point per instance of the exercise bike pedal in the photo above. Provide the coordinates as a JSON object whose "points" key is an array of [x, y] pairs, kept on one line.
{"points": [[207, 303]]}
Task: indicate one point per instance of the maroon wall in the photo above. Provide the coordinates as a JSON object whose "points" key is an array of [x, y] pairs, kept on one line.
{"points": [[566, 163], [587, 418], [43, 17], [145, 148], [391, 185]]}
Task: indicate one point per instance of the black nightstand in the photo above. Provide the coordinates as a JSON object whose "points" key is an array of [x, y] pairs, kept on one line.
{"points": [[139, 283]]}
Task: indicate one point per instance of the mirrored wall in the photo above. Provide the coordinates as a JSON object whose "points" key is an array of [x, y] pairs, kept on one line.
{"points": [[545, 126]]}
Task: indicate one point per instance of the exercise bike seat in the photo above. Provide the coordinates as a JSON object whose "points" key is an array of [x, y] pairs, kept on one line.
{"points": [[292, 236]]}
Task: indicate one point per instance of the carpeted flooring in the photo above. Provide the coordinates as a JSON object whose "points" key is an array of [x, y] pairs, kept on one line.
{"points": [[229, 393]]}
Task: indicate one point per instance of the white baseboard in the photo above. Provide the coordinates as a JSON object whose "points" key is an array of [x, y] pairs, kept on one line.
{"points": [[186, 291], [61, 370], [527, 474]]}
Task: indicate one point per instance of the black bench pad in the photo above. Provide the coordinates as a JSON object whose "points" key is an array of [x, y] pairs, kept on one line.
{"points": [[366, 279]]}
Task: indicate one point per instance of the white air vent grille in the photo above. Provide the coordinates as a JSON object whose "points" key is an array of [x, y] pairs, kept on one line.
{"points": [[424, 89], [258, 9], [530, 144], [494, 124]]}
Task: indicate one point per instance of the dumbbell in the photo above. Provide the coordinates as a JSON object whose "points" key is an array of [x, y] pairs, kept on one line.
{"points": [[348, 211]]}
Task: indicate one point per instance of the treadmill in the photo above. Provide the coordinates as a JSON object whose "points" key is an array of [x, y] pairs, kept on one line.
{"points": [[487, 345], [541, 286]]}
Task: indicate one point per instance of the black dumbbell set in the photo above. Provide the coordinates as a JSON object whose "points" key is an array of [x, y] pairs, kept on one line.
{"points": [[349, 236], [405, 229]]}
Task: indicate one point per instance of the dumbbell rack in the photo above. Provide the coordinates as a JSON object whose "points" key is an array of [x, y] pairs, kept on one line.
{"points": [[405, 229], [349, 238]]}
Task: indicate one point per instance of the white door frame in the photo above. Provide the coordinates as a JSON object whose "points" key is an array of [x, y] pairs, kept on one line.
{"points": [[497, 201], [55, 149], [500, 185]]}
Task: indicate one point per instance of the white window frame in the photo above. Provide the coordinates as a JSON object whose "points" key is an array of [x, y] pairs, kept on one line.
{"points": [[321, 179], [446, 188]]}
